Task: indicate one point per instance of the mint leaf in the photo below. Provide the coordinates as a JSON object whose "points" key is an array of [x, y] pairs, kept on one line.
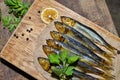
{"points": [[26, 5], [7, 20], [17, 20], [63, 55], [9, 2], [69, 71], [72, 59], [54, 58], [11, 27], [17, 7]]}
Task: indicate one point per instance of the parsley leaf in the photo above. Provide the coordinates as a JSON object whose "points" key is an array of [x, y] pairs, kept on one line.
{"points": [[73, 59], [69, 71], [63, 62], [63, 55], [54, 58]]}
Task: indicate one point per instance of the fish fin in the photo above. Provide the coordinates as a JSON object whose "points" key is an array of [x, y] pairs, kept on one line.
{"points": [[111, 48]]}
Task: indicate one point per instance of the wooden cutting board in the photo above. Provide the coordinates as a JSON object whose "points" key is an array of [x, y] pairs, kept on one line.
{"points": [[20, 48]]}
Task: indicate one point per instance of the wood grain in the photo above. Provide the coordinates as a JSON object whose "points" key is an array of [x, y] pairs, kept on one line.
{"points": [[78, 6]]}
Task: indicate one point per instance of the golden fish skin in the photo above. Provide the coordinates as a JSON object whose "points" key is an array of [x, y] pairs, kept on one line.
{"points": [[83, 57], [74, 43], [83, 64], [45, 64], [65, 29], [87, 31]]}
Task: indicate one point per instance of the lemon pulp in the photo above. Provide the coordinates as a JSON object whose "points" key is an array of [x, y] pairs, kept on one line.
{"points": [[49, 14]]}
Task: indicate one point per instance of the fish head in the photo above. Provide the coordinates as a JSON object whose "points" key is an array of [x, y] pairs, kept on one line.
{"points": [[48, 50], [67, 20], [57, 36], [45, 64], [60, 27], [52, 43]]}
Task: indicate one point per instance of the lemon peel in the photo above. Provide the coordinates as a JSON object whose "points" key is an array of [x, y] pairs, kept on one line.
{"points": [[48, 15]]}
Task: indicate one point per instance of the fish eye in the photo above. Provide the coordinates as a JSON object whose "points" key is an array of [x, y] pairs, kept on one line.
{"points": [[67, 19]]}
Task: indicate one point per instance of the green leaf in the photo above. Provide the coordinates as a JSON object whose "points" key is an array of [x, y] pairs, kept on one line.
{"points": [[10, 11], [54, 58], [17, 20], [73, 59], [9, 2], [14, 7], [23, 12], [19, 10], [63, 61], [26, 5], [7, 20], [11, 27], [63, 55], [17, 7], [14, 1], [69, 71]]}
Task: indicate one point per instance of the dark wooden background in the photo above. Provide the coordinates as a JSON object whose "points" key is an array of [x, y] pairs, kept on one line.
{"points": [[94, 10]]}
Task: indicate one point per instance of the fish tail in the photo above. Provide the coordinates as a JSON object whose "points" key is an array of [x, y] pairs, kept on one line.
{"points": [[105, 54], [106, 68], [83, 75], [111, 48], [104, 60], [107, 62], [108, 75], [109, 56]]}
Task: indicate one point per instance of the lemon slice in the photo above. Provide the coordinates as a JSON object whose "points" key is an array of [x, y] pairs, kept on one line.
{"points": [[49, 14]]}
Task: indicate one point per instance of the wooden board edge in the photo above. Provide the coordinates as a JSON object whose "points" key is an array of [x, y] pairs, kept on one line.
{"points": [[96, 26], [1, 56]]}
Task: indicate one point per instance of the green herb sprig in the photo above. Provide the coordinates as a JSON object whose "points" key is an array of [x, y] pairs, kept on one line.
{"points": [[17, 7], [11, 24], [62, 64], [7, 20]]}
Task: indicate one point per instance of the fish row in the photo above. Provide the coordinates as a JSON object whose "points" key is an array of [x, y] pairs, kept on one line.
{"points": [[88, 32], [94, 63]]}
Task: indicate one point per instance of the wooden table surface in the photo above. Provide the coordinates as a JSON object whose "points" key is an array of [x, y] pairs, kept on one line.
{"points": [[94, 10]]}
